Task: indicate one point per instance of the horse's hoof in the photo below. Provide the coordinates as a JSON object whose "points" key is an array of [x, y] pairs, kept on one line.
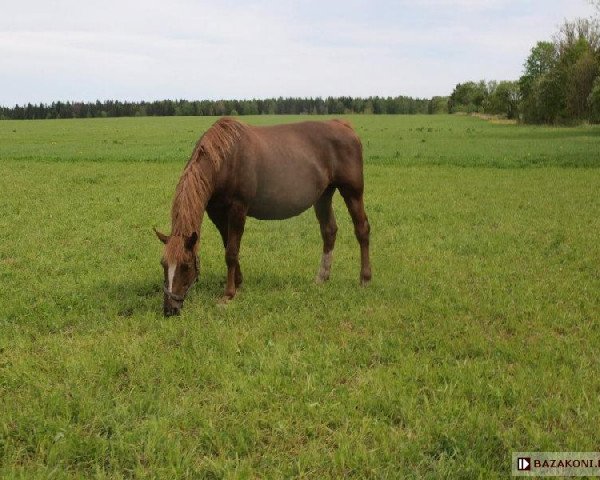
{"points": [[223, 301], [319, 280], [364, 282]]}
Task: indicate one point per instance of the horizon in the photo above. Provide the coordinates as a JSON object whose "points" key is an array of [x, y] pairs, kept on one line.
{"points": [[191, 100], [106, 51]]}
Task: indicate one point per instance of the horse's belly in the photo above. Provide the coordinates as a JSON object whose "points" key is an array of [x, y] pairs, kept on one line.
{"points": [[273, 208], [269, 214], [286, 194]]}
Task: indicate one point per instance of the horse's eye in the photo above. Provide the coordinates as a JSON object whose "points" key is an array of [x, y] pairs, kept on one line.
{"points": [[184, 268]]}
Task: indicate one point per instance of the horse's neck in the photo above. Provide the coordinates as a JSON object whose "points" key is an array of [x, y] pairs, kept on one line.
{"points": [[187, 227], [190, 203]]}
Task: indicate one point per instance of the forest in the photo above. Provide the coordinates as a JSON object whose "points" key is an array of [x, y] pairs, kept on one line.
{"points": [[272, 106]]}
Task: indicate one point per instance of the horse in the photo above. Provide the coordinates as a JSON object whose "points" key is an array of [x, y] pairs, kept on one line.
{"points": [[268, 173]]}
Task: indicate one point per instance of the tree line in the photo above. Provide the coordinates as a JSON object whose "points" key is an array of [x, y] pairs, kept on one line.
{"points": [[272, 106], [560, 82]]}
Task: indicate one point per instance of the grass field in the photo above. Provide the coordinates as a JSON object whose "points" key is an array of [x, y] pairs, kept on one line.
{"points": [[479, 335]]}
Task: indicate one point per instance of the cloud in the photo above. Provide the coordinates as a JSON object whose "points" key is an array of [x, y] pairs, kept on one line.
{"points": [[72, 50]]}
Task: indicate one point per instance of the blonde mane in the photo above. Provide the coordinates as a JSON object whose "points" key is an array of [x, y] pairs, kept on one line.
{"points": [[195, 185]]}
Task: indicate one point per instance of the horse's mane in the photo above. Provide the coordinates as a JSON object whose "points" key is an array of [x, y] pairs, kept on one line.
{"points": [[196, 182]]}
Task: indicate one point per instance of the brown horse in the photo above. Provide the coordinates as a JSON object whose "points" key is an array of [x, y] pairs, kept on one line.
{"points": [[269, 173]]}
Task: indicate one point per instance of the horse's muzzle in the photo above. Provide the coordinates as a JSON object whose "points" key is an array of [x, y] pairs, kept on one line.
{"points": [[171, 310], [172, 303]]}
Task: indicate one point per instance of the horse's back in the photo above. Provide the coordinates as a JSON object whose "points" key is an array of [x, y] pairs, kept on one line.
{"points": [[332, 144], [286, 168]]}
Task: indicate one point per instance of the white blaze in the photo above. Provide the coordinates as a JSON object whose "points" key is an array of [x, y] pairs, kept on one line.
{"points": [[172, 267]]}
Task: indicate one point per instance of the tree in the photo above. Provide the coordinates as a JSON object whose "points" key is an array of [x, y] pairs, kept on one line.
{"points": [[541, 60], [504, 98], [438, 105], [249, 107], [580, 77], [468, 97], [573, 31], [559, 77], [549, 97], [594, 102]]}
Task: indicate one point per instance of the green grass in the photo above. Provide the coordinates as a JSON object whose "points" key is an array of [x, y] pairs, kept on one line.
{"points": [[478, 336], [388, 140]]}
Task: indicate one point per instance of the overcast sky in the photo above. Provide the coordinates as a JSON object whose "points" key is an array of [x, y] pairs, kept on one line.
{"points": [[193, 49]]}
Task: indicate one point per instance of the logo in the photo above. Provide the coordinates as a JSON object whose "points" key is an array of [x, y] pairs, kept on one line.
{"points": [[524, 464]]}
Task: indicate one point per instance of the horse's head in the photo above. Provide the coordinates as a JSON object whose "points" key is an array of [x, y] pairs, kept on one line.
{"points": [[180, 265]]}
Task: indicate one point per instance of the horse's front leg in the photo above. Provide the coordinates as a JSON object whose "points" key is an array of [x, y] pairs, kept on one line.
{"points": [[219, 218], [236, 220]]}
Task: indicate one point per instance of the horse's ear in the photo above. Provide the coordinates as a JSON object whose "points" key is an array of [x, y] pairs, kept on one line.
{"points": [[190, 242], [161, 236]]}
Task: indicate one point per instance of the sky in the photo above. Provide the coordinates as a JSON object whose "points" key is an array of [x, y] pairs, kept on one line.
{"points": [[155, 49]]}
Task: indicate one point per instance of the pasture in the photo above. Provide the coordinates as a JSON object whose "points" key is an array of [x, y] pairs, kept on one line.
{"points": [[478, 336]]}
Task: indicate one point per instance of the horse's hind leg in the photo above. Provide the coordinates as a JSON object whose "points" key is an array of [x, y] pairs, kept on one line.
{"points": [[354, 201], [326, 217]]}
